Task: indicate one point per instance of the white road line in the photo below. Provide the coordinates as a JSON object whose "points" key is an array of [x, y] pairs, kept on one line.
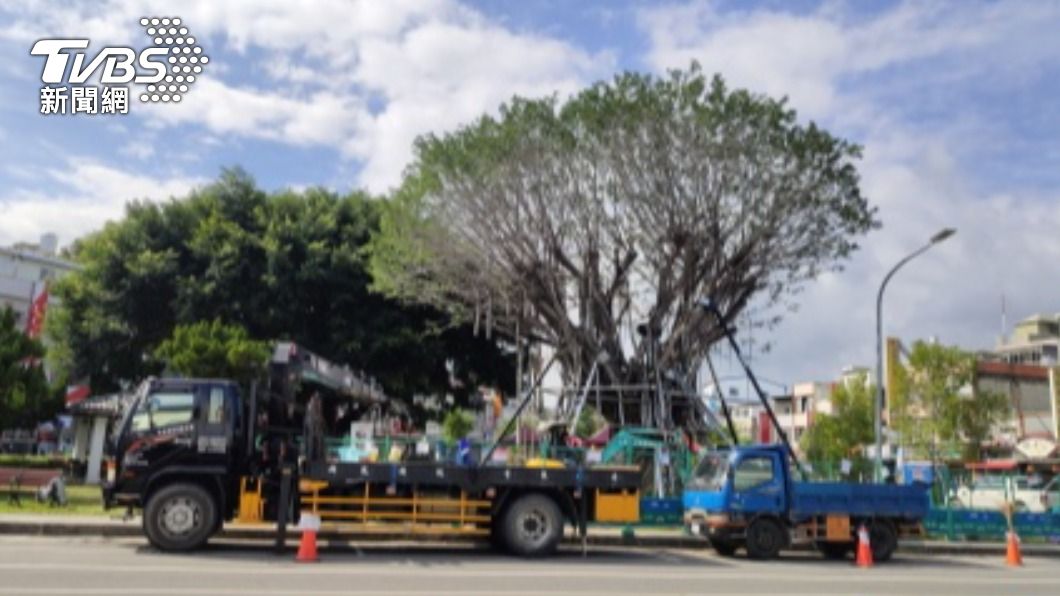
{"points": [[876, 576], [258, 591]]}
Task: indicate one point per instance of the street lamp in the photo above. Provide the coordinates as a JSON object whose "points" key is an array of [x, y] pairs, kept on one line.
{"points": [[878, 410]]}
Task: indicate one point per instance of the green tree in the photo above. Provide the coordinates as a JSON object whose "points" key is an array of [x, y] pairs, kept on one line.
{"points": [[282, 266], [589, 423], [215, 350], [935, 404], [844, 433], [570, 222], [457, 424], [977, 418], [23, 388]]}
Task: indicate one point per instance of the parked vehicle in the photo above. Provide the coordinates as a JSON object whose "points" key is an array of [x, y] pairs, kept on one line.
{"points": [[194, 454], [1025, 493], [745, 497]]}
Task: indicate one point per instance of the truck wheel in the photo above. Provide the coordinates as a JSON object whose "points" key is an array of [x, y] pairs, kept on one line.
{"points": [[723, 546], [883, 539], [532, 526], [179, 517], [765, 538], [835, 550]]}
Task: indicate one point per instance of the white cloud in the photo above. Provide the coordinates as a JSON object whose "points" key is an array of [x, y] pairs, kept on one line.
{"points": [[363, 77], [913, 172], [88, 195], [809, 57]]}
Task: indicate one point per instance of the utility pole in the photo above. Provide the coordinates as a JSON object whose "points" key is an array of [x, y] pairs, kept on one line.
{"points": [[878, 409]]}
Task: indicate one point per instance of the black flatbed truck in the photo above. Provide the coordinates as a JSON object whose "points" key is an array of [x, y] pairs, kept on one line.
{"points": [[193, 454]]}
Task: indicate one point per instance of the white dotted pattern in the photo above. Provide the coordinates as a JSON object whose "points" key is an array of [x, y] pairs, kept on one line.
{"points": [[185, 58]]}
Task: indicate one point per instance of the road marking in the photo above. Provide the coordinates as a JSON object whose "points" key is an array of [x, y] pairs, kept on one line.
{"points": [[220, 568], [300, 591]]}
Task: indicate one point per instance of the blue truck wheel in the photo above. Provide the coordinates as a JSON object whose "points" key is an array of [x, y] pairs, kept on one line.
{"points": [[765, 538]]}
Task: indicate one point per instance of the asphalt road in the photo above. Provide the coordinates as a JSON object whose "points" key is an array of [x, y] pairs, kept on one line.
{"points": [[97, 566]]}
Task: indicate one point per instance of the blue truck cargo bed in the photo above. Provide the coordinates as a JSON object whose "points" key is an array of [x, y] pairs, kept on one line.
{"points": [[878, 500]]}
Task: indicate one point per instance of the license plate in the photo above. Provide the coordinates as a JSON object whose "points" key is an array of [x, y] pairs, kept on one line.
{"points": [[695, 529]]}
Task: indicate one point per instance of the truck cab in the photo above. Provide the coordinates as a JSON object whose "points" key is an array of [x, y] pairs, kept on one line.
{"points": [[177, 447], [733, 487]]}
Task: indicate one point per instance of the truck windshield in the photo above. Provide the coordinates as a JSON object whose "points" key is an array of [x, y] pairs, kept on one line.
{"points": [[163, 409], [710, 474]]}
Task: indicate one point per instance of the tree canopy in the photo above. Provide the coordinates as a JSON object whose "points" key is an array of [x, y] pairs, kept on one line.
{"points": [[574, 222], [23, 388], [287, 265], [212, 349], [936, 404]]}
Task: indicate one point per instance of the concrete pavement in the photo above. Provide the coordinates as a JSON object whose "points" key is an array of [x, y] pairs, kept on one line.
{"points": [[97, 566]]}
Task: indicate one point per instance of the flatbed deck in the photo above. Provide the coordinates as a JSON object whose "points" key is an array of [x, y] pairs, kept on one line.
{"points": [[472, 479]]}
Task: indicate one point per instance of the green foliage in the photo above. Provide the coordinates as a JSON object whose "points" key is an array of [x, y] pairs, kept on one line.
{"points": [[933, 406], [9, 460], [23, 388], [283, 266], [542, 219], [843, 433], [589, 423], [976, 419], [211, 349], [457, 424]]}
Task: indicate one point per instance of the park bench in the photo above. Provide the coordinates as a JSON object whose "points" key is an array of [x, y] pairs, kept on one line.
{"points": [[19, 481]]}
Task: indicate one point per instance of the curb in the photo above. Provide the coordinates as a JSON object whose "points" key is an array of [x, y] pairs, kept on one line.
{"points": [[114, 529]]}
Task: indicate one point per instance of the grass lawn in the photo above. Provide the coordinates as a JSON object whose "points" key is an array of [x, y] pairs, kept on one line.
{"points": [[81, 500]]}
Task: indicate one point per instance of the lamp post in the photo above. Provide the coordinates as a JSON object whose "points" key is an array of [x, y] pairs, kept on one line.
{"points": [[878, 410]]}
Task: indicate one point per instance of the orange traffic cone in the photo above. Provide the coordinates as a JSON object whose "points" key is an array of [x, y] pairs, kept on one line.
{"points": [[307, 549], [1013, 558], [864, 555]]}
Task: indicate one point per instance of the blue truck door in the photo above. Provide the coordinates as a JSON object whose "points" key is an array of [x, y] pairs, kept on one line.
{"points": [[758, 484]]}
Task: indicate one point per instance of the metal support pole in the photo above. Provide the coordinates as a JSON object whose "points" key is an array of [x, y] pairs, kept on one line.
{"points": [[724, 404], [518, 411], [712, 308], [252, 417], [877, 469], [286, 477]]}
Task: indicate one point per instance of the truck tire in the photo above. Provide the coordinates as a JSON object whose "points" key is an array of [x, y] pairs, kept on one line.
{"points": [[883, 540], [723, 546], [179, 517], [765, 538], [532, 526]]}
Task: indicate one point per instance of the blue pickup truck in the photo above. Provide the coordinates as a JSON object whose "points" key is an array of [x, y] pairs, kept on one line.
{"points": [[745, 497]]}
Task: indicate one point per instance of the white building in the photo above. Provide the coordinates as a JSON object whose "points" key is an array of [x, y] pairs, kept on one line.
{"points": [[25, 270], [1034, 341], [795, 412]]}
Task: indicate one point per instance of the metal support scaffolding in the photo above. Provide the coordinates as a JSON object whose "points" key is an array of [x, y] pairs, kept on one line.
{"points": [[711, 308]]}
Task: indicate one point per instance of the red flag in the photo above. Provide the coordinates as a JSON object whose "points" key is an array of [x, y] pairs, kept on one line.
{"points": [[76, 393], [35, 320]]}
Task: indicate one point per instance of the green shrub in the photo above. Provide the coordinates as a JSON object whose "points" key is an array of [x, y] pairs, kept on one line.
{"points": [[8, 460]]}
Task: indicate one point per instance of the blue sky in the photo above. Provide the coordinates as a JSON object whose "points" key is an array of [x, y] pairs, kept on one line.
{"points": [[954, 103]]}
